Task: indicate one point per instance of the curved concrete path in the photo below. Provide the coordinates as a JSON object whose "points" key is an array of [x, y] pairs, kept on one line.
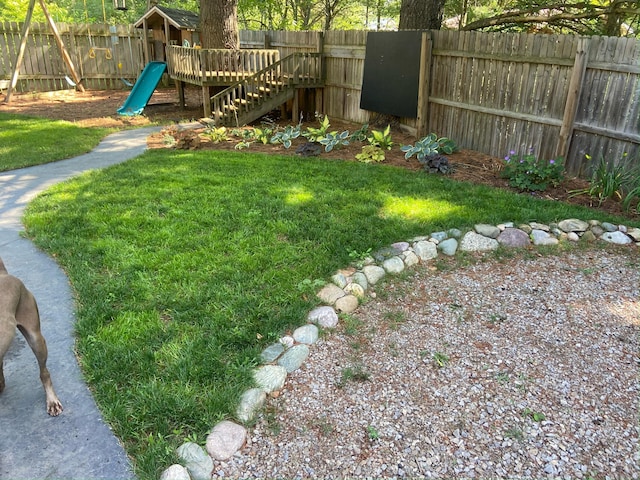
{"points": [[77, 444]]}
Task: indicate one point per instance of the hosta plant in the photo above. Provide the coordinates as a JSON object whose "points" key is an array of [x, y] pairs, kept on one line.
{"points": [[286, 136], [370, 154], [381, 138], [334, 140]]}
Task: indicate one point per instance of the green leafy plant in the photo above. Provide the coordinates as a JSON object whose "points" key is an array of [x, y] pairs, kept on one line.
{"points": [[428, 146], [372, 433], [246, 134], [216, 134], [381, 138], [358, 257], [353, 374], [514, 433], [286, 136], [440, 359], [334, 140], [242, 145], [526, 172], [263, 135], [535, 416], [446, 145], [609, 181], [316, 134], [361, 134], [370, 154]]}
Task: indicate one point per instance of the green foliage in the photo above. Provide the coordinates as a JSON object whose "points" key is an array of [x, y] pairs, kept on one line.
{"points": [[611, 180], [535, 416], [334, 140], [263, 135], [427, 150], [370, 154], [429, 145], [316, 134], [360, 135], [216, 134], [372, 433], [528, 173], [381, 138], [27, 141], [286, 136], [440, 359]]}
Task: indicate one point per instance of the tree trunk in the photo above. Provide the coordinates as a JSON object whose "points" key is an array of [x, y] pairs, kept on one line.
{"points": [[219, 24], [421, 14]]}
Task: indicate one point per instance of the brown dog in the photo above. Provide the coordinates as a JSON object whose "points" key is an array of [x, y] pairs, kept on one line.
{"points": [[18, 308]]}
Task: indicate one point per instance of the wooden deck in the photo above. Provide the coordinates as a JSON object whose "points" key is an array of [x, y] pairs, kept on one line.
{"points": [[214, 68]]}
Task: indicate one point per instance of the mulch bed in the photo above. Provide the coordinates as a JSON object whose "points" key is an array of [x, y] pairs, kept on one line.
{"points": [[98, 109]]}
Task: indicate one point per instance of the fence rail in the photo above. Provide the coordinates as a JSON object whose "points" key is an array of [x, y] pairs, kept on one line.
{"points": [[211, 67], [491, 92]]}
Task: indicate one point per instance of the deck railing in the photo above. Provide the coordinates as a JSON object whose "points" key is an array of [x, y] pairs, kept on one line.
{"points": [[298, 70], [208, 67]]}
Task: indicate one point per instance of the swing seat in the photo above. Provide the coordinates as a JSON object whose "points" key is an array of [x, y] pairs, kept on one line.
{"points": [[70, 82], [126, 82]]}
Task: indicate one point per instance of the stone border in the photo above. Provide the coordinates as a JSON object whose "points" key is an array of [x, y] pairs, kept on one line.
{"points": [[343, 295]]}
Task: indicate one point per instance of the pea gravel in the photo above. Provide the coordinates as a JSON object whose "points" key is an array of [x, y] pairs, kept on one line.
{"points": [[520, 368]]}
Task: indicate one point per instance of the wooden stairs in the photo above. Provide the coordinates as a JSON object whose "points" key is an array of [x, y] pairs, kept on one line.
{"points": [[252, 97]]}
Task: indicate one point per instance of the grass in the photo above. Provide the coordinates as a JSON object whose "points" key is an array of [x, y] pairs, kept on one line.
{"points": [[27, 141], [186, 265]]}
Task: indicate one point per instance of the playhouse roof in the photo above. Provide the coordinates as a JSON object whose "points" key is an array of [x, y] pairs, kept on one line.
{"points": [[180, 19]]}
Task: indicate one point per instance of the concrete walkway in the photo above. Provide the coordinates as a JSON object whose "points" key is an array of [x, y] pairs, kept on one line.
{"points": [[77, 444]]}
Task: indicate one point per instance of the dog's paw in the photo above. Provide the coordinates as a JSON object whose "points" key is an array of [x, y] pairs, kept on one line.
{"points": [[54, 408]]}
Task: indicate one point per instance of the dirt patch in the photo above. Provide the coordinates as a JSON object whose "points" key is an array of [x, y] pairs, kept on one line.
{"points": [[98, 108]]}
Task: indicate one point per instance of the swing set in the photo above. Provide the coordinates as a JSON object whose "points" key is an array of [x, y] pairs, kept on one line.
{"points": [[75, 80]]}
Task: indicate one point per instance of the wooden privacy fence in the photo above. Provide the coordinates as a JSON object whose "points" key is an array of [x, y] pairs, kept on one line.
{"points": [[499, 92], [490, 92], [102, 54], [552, 95]]}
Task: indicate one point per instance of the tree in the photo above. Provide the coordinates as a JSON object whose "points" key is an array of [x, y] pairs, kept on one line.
{"points": [[421, 14], [590, 17], [219, 24]]}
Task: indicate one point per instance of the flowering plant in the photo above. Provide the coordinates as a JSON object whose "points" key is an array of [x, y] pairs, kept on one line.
{"points": [[526, 172]]}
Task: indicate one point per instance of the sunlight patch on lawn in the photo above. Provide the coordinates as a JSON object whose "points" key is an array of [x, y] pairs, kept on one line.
{"points": [[417, 209], [298, 196]]}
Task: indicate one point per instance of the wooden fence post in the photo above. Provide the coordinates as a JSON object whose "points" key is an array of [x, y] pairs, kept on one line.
{"points": [[573, 98], [422, 124]]}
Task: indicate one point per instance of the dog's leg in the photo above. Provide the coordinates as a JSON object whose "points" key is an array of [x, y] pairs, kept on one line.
{"points": [[7, 332], [28, 320]]}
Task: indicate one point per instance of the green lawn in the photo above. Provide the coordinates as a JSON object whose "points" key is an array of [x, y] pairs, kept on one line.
{"points": [[27, 141], [187, 264]]}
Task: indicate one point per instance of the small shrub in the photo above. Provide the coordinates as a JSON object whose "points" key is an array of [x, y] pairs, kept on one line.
{"points": [[315, 134], [437, 164], [216, 134], [263, 135], [286, 136], [528, 173], [428, 152], [335, 140], [370, 154], [609, 181], [361, 134], [381, 138]]}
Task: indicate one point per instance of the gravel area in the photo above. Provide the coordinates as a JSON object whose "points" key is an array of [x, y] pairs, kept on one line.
{"points": [[516, 368]]}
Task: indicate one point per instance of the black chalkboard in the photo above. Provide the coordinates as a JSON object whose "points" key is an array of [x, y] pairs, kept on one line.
{"points": [[392, 73]]}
